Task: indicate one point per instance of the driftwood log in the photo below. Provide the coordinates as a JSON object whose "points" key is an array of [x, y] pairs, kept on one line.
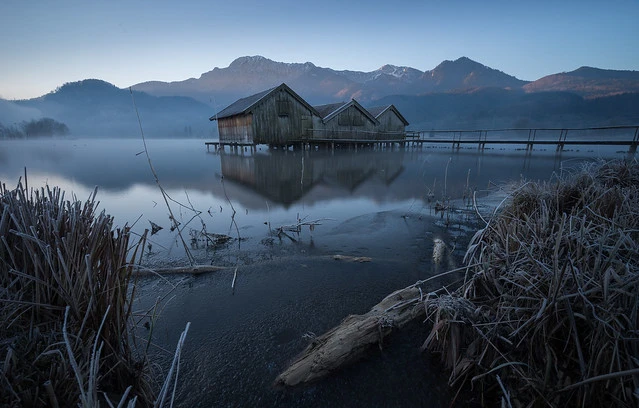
{"points": [[353, 337]]}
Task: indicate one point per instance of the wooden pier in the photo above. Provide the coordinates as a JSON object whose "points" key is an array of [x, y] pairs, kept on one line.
{"points": [[558, 137], [593, 136]]}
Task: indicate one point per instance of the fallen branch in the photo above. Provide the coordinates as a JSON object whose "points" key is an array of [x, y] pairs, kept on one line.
{"points": [[193, 270], [346, 343], [353, 337], [349, 258]]}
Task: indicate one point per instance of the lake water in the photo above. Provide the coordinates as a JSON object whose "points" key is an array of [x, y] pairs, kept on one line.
{"points": [[377, 204]]}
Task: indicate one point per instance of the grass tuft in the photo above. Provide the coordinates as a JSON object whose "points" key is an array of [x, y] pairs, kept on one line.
{"points": [[548, 312], [65, 304]]}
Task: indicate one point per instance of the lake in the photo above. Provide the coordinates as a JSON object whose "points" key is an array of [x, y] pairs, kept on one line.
{"points": [[377, 204]]}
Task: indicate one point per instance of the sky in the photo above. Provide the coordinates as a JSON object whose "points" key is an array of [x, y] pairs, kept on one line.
{"points": [[44, 44]]}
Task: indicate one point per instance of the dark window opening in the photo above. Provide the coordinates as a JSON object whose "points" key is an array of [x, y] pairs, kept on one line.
{"points": [[283, 108]]}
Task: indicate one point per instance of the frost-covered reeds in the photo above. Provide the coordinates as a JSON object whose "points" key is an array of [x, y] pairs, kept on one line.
{"points": [[65, 304], [548, 313]]}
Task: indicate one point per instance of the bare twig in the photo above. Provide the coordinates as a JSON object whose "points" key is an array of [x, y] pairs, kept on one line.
{"points": [[165, 196]]}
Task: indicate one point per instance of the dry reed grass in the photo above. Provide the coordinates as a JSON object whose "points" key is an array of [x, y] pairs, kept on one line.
{"points": [[65, 304], [548, 312]]}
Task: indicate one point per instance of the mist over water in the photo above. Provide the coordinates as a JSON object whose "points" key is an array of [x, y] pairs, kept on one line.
{"points": [[368, 203], [289, 180]]}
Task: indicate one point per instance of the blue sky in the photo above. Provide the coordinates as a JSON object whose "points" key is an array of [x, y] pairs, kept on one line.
{"points": [[47, 43]]}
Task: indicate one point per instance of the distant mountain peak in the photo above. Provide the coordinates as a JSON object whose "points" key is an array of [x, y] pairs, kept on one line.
{"points": [[400, 72], [392, 68], [254, 59], [461, 62], [257, 63], [464, 73]]}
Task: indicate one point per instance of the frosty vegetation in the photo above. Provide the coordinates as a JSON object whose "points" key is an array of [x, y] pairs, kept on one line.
{"points": [[548, 312]]}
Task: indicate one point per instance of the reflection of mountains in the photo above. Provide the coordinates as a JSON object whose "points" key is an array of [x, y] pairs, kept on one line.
{"points": [[285, 177], [116, 166]]}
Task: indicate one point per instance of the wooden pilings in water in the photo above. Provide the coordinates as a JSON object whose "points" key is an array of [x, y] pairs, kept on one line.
{"points": [[234, 147]]}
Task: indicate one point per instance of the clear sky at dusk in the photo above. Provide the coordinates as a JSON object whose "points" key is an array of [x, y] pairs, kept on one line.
{"points": [[47, 43]]}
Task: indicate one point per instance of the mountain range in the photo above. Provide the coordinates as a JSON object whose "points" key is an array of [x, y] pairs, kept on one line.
{"points": [[249, 75], [455, 94]]}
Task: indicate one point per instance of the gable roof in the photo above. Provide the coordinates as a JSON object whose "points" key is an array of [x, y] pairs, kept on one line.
{"points": [[341, 107], [246, 105], [241, 106], [325, 110], [377, 111]]}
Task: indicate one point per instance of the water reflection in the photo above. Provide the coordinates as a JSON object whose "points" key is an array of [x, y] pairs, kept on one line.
{"points": [[270, 186], [285, 178]]}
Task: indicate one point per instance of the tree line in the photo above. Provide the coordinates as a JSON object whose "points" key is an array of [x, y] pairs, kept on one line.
{"points": [[44, 127]]}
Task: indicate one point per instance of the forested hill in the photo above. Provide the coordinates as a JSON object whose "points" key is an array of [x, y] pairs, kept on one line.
{"points": [[96, 108]]}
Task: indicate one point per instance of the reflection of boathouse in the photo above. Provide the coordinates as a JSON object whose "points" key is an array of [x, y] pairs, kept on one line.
{"points": [[279, 116], [287, 177]]}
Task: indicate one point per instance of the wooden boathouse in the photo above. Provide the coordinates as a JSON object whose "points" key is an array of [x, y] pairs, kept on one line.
{"points": [[277, 116], [345, 120], [392, 124], [280, 117]]}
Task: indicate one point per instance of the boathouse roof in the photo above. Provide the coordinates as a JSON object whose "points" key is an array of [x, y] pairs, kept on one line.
{"points": [[328, 112], [325, 110], [246, 105], [377, 111]]}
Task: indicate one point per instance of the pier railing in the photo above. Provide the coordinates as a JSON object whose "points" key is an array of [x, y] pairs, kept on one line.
{"points": [[528, 137]]}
